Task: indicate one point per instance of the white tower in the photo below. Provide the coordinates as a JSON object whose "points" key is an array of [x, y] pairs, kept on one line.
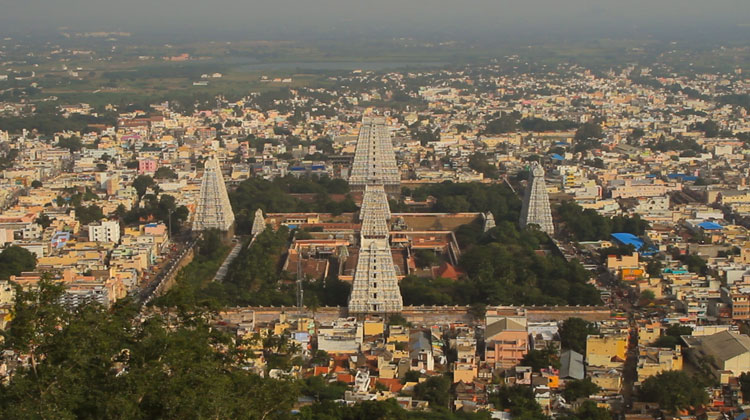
{"points": [[536, 209], [214, 210], [375, 286], [259, 223], [374, 159]]}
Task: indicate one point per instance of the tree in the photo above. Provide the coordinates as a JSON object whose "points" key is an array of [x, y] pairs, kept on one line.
{"points": [[36, 184], [478, 162], [674, 390], [141, 183], [672, 336], [504, 124], [587, 137], [411, 376], [647, 296], [541, 359], [165, 172], [745, 385], [573, 333], [425, 258], [589, 411], [654, 268], [72, 143], [397, 319], [44, 221], [14, 260], [86, 215], [695, 264], [133, 370], [320, 389], [589, 130], [576, 389], [519, 400], [478, 311], [436, 390]]}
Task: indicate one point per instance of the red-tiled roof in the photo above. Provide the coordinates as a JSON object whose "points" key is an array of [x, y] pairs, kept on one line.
{"points": [[345, 378], [394, 385], [448, 271]]}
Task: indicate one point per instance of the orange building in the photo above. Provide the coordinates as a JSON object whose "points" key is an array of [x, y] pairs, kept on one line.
{"points": [[506, 343]]}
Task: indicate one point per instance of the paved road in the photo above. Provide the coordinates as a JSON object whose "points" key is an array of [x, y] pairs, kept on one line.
{"points": [[172, 259]]}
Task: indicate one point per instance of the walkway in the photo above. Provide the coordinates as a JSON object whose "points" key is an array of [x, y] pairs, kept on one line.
{"points": [[224, 269]]}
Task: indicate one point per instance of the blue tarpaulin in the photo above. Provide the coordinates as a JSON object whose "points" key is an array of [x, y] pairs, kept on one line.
{"points": [[710, 226], [628, 239]]}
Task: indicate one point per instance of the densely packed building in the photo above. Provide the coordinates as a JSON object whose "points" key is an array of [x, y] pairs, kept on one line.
{"points": [[671, 151]]}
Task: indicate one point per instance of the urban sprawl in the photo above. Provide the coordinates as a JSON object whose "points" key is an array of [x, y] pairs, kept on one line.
{"points": [[576, 239]]}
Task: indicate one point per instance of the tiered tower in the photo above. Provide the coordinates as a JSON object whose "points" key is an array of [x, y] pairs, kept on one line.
{"points": [[375, 286], [374, 159], [536, 208], [214, 210], [259, 223], [489, 221]]}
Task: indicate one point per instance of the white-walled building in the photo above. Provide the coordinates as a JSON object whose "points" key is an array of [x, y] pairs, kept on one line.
{"points": [[107, 231]]}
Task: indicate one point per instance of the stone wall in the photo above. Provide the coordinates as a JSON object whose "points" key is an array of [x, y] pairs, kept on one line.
{"points": [[421, 315]]}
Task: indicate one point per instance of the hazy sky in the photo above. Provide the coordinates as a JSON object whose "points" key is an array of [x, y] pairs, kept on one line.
{"points": [[456, 18]]}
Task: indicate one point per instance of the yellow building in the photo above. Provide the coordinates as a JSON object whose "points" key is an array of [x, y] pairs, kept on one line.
{"points": [[618, 262], [610, 381], [606, 350], [464, 372], [374, 327], [647, 334], [654, 360], [398, 334]]}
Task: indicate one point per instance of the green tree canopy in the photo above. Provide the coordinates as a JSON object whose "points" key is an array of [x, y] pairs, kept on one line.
{"points": [[674, 390], [14, 260], [93, 363], [573, 333], [541, 359], [165, 172], [576, 389], [141, 183], [436, 390]]}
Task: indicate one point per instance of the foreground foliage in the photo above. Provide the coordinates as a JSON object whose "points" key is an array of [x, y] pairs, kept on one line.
{"points": [[91, 363]]}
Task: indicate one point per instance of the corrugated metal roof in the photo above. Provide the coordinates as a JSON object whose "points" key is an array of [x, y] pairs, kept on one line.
{"points": [[571, 365]]}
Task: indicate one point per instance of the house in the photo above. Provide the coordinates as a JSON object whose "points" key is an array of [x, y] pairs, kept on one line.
{"points": [[730, 351], [571, 365], [506, 343], [654, 360], [606, 350], [420, 352]]}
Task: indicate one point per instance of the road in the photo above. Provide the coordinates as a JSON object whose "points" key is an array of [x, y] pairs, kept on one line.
{"points": [[166, 268]]}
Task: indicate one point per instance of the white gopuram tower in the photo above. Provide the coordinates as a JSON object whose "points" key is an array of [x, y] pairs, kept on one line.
{"points": [[214, 210], [259, 223], [489, 221], [374, 159], [375, 286], [536, 208]]}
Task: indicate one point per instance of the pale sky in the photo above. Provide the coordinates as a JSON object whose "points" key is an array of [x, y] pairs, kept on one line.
{"points": [[456, 18]]}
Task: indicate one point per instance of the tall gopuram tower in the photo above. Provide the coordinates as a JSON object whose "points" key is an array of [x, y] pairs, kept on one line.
{"points": [[214, 210], [375, 286], [374, 159], [536, 208]]}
